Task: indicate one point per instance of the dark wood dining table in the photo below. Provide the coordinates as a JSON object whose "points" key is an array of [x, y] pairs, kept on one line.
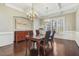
{"points": [[36, 39]]}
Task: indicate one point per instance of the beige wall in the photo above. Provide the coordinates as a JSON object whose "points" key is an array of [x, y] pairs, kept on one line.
{"points": [[7, 24], [77, 20], [70, 21], [7, 21]]}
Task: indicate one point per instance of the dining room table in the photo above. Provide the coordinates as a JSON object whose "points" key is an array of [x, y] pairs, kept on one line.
{"points": [[36, 39]]}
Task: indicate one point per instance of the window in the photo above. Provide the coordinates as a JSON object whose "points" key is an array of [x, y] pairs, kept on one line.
{"points": [[56, 23]]}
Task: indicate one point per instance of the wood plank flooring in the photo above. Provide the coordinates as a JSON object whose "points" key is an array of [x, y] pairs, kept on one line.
{"points": [[61, 47]]}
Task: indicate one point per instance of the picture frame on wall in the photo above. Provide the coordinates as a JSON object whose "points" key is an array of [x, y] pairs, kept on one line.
{"points": [[20, 23]]}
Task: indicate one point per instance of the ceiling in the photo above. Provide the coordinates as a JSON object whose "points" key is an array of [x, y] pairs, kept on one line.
{"points": [[45, 9]]}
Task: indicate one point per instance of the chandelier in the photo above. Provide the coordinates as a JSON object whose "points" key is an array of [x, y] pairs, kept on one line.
{"points": [[31, 14]]}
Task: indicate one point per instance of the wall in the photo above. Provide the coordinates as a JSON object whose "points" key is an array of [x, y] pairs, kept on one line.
{"points": [[42, 23], [77, 25], [77, 20], [70, 22], [6, 18], [36, 25], [6, 38], [7, 24]]}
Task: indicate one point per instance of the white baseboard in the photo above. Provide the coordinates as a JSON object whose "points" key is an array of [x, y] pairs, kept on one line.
{"points": [[6, 38]]}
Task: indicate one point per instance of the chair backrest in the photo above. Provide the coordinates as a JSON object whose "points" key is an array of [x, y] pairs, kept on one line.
{"points": [[47, 35], [53, 35], [31, 33], [37, 32]]}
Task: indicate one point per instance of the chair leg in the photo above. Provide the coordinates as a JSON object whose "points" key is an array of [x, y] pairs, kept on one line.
{"points": [[52, 47], [38, 47], [44, 48]]}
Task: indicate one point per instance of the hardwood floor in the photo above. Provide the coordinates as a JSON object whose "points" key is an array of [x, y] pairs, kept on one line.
{"points": [[61, 47]]}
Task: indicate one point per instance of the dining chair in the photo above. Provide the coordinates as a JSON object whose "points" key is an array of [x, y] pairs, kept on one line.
{"points": [[28, 41], [47, 36], [44, 41], [30, 33], [52, 36], [37, 32], [51, 39], [31, 43]]}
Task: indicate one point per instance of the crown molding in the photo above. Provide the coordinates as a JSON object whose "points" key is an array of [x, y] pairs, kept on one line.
{"points": [[14, 7], [62, 11]]}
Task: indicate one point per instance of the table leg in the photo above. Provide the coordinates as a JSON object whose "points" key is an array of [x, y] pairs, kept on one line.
{"points": [[27, 48], [38, 47]]}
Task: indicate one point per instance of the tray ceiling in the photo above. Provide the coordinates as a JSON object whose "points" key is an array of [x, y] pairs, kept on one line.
{"points": [[40, 8]]}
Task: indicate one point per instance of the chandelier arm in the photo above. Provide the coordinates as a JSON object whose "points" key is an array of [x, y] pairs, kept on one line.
{"points": [[31, 14]]}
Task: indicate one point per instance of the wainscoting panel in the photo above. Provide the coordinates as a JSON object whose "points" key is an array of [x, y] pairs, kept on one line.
{"points": [[6, 38]]}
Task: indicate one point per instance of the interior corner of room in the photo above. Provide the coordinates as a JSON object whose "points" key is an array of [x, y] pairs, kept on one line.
{"points": [[13, 20]]}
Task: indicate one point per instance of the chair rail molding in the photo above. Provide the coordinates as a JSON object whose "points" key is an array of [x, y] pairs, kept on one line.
{"points": [[6, 38]]}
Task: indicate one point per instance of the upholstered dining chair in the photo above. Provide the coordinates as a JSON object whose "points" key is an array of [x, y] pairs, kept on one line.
{"points": [[44, 42], [52, 36], [47, 36], [30, 33], [37, 32], [51, 39], [30, 43]]}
